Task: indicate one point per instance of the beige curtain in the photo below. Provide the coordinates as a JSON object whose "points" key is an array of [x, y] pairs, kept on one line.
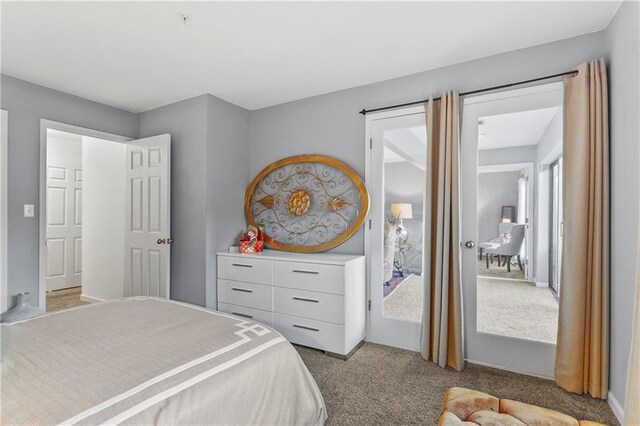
{"points": [[582, 352], [441, 339], [632, 405]]}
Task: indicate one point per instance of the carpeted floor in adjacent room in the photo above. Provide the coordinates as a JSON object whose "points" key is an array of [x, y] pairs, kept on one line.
{"points": [[496, 270], [405, 301], [67, 298], [516, 308], [380, 385]]}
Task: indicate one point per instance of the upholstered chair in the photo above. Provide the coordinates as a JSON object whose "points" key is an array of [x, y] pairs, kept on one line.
{"points": [[510, 249], [504, 228]]}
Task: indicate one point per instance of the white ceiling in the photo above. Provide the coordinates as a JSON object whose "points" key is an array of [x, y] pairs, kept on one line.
{"points": [[407, 144], [139, 55], [391, 157], [515, 129]]}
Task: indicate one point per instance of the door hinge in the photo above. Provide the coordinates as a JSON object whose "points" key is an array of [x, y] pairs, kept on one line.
{"points": [[369, 224], [370, 143], [369, 305]]}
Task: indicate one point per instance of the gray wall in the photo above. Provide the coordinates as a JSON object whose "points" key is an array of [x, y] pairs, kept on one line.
{"points": [[210, 140], [494, 191], [26, 104], [330, 124], [227, 181], [403, 183], [186, 121], [622, 42], [209, 175]]}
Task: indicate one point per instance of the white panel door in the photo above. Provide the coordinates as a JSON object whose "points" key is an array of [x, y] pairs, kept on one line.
{"points": [[64, 221], [147, 236]]}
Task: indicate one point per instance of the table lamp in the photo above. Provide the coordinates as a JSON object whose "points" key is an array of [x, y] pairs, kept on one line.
{"points": [[401, 211]]}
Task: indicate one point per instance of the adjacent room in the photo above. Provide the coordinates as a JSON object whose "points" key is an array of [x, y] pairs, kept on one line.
{"points": [[519, 220], [320, 213], [404, 174]]}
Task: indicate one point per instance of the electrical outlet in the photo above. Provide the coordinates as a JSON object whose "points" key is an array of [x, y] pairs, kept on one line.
{"points": [[28, 210]]}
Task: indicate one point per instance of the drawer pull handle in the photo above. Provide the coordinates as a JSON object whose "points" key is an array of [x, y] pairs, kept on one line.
{"points": [[244, 290], [242, 265], [306, 328], [300, 271], [242, 315], [306, 300]]}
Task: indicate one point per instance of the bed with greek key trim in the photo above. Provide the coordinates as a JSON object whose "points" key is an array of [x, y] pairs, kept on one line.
{"points": [[147, 361]]}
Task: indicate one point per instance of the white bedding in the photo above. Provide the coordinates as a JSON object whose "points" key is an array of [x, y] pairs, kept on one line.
{"points": [[152, 361]]}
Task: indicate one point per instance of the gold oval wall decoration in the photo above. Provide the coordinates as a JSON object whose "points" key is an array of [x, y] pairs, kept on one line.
{"points": [[307, 203]]}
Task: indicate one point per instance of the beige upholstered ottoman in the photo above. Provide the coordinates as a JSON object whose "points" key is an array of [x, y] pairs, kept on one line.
{"points": [[468, 407]]}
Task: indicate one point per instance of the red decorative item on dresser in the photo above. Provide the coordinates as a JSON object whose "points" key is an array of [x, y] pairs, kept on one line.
{"points": [[252, 240]]}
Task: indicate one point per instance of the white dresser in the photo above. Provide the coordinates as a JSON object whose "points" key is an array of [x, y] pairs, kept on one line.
{"points": [[315, 300]]}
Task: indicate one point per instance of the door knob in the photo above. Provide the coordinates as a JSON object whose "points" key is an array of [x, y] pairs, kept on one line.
{"points": [[469, 244], [161, 241]]}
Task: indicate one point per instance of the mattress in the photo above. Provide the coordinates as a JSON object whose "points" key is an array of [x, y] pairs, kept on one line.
{"points": [[145, 361]]}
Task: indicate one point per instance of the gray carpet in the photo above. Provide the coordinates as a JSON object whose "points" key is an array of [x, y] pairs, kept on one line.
{"points": [[380, 385]]}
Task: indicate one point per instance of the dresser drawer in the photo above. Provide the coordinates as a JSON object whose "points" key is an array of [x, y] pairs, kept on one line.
{"points": [[257, 315], [307, 332], [309, 276], [245, 269], [257, 296], [309, 304]]}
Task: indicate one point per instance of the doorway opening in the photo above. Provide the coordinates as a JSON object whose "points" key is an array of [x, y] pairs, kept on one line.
{"points": [[104, 216], [85, 218]]}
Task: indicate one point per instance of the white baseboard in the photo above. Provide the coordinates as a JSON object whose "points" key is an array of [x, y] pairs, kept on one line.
{"points": [[90, 299], [617, 409], [541, 284], [501, 367]]}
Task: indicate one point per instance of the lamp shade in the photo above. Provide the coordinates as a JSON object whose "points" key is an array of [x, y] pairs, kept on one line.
{"points": [[402, 211]]}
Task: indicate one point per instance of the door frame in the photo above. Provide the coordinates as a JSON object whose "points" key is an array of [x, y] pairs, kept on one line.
{"points": [[370, 118], [557, 162], [4, 211], [42, 205]]}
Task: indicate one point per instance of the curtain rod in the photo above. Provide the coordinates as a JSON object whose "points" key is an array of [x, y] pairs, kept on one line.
{"points": [[473, 92]]}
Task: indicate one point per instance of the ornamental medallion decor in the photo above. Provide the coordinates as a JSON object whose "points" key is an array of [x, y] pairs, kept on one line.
{"points": [[307, 203]]}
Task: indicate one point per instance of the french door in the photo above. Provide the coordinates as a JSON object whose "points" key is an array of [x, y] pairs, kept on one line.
{"points": [[482, 346], [395, 177]]}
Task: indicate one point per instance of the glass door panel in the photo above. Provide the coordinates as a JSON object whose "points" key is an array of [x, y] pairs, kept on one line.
{"points": [[396, 185], [510, 321]]}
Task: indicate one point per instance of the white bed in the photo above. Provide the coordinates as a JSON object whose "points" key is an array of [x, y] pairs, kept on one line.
{"points": [[152, 361]]}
